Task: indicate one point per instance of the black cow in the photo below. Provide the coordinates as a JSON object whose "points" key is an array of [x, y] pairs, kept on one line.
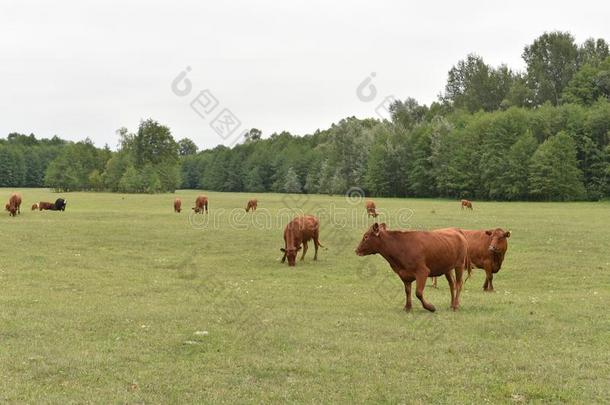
{"points": [[60, 204]]}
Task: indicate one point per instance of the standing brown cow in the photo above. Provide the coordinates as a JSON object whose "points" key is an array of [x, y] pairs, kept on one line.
{"points": [[177, 205], [300, 230], [201, 204], [371, 210], [14, 204], [417, 255], [466, 203], [34, 207], [486, 250], [252, 204]]}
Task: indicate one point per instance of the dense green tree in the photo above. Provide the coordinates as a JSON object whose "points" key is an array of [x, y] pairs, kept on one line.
{"points": [[153, 144], [473, 85], [291, 182], [186, 147], [554, 170], [552, 60]]}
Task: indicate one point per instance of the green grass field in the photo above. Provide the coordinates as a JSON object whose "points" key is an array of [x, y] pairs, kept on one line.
{"points": [[119, 300]]}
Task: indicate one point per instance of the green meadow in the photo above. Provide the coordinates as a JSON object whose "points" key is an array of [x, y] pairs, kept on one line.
{"points": [[120, 300]]}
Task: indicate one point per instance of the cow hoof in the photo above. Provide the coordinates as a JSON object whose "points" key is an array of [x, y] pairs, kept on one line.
{"points": [[430, 308], [407, 309]]}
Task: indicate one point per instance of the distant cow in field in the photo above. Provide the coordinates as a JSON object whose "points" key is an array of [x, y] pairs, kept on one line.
{"points": [[371, 210], [300, 230], [14, 204], [486, 250], [60, 204], [201, 204], [43, 205], [252, 205], [177, 205], [417, 255], [466, 204], [34, 207]]}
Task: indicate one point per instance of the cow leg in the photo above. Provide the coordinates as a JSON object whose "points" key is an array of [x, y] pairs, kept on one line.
{"points": [[304, 250], [409, 303], [316, 245], [434, 283], [459, 284], [451, 281], [488, 277], [420, 280]]}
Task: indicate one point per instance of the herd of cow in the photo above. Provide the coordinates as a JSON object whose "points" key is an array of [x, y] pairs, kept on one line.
{"points": [[13, 206], [413, 255]]}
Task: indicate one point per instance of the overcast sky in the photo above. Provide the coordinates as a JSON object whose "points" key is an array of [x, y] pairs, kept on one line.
{"points": [[84, 69]]}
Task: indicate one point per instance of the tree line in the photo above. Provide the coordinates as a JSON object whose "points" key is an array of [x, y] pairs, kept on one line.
{"points": [[541, 134]]}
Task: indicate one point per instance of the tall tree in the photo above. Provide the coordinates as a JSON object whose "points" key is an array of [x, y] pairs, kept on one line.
{"points": [[473, 85], [554, 173], [552, 60]]}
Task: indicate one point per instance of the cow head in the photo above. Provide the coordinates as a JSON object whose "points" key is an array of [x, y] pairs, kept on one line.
{"points": [[371, 240], [7, 207], [499, 240], [197, 210], [291, 254]]}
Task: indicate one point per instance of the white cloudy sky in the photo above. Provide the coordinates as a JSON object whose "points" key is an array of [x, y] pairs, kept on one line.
{"points": [[86, 68]]}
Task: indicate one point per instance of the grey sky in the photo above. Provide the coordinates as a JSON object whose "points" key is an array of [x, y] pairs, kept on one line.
{"points": [[81, 68]]}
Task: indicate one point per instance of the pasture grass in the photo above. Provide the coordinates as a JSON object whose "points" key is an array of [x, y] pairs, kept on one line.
{"points": [[119, 300]]}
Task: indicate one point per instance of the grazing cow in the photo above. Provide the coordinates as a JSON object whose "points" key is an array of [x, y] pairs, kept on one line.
{"points": [[34, 207], [201, 204], [300, 230], [60, 204], [177, 205], [417, 255], [466, 203], [371, 210], [252, 204], [14, 204], [43, 205], [486, 250]]}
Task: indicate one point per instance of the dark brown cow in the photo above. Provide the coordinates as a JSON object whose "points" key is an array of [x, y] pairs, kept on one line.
{"points": [[486, 249], [417, 255], [177, 205], [252, 205], [300, 230], [466, 203], [201, 204], [371, 210], [43, 205], [14, 204], [34, 207]]}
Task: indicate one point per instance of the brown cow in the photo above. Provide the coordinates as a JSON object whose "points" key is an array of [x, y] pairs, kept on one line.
{"points": [[486, 250], [466, 203], [417, 255], [252, 204], [177, 205], [201, 204], [34, 207], [43, 205], [14, 204], [300, 230], [371, 209]]}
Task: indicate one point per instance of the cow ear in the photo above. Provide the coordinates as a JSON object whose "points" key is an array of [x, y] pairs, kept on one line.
{"points": [[382, 226], [376, 229], [282, 250], [488, 232], [507, 234]]}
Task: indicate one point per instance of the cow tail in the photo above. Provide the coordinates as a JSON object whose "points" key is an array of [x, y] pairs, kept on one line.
{"points": [[468, 266]]}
